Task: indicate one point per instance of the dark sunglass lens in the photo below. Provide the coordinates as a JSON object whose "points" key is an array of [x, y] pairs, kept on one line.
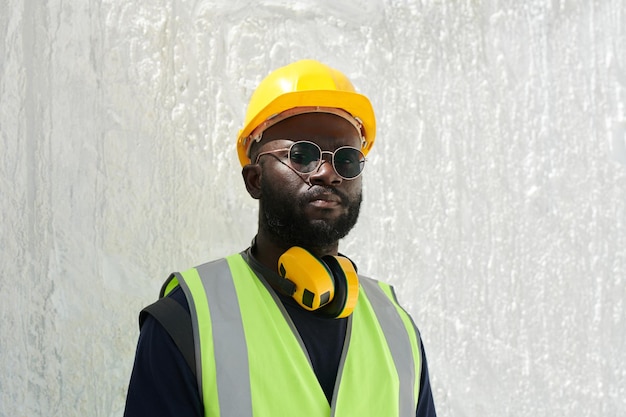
{"points": [[349, 162], [304, 157]]}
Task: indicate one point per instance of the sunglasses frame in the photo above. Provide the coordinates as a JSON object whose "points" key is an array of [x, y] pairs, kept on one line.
{"points": [[320, 161]]}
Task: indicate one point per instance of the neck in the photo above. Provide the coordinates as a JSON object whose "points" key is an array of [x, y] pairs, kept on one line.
{"points": [[267, 251]]}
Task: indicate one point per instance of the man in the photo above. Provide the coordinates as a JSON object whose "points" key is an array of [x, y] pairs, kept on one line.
{"points": [[287, 327]]}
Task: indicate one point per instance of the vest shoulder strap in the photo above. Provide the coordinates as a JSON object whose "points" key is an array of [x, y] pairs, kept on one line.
{"points": [[177, 323]]}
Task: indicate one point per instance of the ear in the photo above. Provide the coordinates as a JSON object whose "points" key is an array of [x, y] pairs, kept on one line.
{"points": [[252, 178]]}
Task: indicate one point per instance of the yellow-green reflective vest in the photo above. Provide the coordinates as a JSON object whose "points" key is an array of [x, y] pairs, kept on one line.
{"points": [[251, 362]]}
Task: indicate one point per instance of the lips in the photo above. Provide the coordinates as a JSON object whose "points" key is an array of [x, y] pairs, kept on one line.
{"points": [[325, 200]]}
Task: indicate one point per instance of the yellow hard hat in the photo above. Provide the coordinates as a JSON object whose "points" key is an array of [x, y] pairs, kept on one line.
{"points": [[302, 87]]}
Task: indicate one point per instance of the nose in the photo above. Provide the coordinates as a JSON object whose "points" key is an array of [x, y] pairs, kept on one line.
{"points": [[325, 174]]}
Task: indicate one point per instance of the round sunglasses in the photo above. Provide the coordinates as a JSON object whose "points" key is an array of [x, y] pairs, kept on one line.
{"points": [[306, 157]]}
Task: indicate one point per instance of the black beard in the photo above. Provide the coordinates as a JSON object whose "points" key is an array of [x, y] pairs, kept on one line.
{"points": [[288, 226]]}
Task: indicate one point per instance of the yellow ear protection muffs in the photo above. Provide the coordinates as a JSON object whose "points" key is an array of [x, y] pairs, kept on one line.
{"points": [[328, 285]]}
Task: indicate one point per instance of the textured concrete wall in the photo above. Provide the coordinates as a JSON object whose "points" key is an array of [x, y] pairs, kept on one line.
{"points": [[495, 196]]}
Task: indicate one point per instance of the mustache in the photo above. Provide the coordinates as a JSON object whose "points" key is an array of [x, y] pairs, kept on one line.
{"points": [[315, 192]]}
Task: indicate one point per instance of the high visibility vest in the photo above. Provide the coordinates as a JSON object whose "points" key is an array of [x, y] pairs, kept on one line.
{"points": [[250, 360]]}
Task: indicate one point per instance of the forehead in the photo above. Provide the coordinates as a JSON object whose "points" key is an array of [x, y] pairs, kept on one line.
{"points": [[326, 129]]}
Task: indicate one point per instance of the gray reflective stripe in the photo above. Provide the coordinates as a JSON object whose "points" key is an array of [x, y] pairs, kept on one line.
{"points": [[398, 342], [229, 342]]}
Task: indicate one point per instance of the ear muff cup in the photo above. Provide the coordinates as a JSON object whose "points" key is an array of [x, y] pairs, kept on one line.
{"points": [[314, 282], [328, 285], [346, 287]]}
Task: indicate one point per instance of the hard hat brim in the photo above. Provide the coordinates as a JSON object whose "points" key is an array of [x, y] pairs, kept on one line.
{"points": [[356, 104]]}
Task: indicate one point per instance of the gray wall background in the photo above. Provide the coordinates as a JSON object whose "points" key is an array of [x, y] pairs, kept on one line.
{"points": [[495, 195]]}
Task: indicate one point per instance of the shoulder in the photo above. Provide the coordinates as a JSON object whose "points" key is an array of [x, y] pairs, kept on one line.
{"points": [[178, 295], [160, 367]]}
